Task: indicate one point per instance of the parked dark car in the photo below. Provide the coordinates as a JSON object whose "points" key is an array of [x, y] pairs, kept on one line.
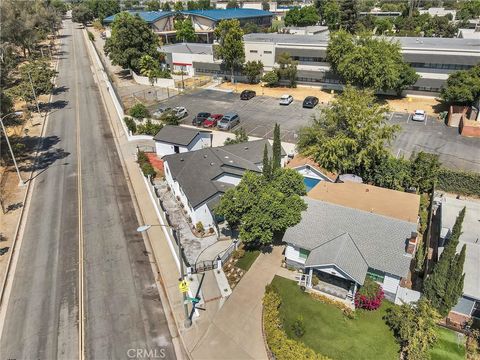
{"points": [[310, 102], [200, 118], [247, 94], [212, 121]]}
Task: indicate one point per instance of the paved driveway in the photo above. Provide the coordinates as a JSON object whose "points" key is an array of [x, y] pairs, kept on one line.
{"points": [[259, 115]]}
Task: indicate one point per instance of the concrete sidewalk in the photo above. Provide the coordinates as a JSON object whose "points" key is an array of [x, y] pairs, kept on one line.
{"points": [[236, 330]]}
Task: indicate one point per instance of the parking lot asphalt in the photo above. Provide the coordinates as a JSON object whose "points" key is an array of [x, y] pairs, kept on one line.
{"points": [[259, 115]]}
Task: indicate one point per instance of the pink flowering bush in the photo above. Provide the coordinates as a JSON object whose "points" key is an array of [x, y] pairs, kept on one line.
{"points": [[369, 296]]}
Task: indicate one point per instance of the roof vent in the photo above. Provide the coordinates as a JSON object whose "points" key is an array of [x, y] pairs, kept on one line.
{"points": [[226, 156], [181, 159], [246, 147], [212, 163], [205, 156]]}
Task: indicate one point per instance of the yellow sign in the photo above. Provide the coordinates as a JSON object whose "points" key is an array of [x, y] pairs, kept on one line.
{"points": [[183, 286]]}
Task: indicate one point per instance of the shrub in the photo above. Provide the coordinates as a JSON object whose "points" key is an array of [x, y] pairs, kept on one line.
{"points": [[459, 182], [199, 227], [148, 169], [238, 254], [149, 128], [280, 345], [298, 326], [90, 35], [131, 125], [347, 311], [271, 78], [315, 280], [369, 296], [169, 118], [139, 111], [97, 25]]}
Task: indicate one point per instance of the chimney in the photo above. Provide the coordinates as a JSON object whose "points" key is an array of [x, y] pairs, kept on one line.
{"points": [[412, 243]]}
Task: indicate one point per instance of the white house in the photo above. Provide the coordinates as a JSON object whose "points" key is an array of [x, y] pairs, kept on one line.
{"points": [[178, 139], [199, 178]]}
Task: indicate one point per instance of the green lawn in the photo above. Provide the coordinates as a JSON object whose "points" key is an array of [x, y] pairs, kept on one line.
{"points": [[448, 346], [329, 333], [247, 260]]}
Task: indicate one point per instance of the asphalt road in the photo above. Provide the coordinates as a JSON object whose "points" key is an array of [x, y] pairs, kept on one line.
{"points": [[122, 306], [259, 115]]}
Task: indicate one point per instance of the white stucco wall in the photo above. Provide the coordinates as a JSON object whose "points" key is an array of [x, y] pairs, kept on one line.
{"points": [[293, 253], [265, 52], [187, 61], [202, 140], [163, 149], [391, 283]]}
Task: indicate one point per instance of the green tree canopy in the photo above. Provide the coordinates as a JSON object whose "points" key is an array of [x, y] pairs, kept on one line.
{"points": [[41, 74], [153, 5], [287, 69], [462, 87], [166, 6], [252, 70], [271, 78], [444, 286], [230, 38], [348, 15], [424, 171], [103, 8], [262, 207], [178, 6], [82, 14], [415, 327], [352, 135], [131, 39], [304, 16], [233, 4], [185, 30], [369, 62], [150, 68], [240, 137], [331, 14]]}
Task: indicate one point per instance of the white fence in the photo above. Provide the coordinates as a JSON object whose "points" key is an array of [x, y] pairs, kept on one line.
{"points": [[406, 296], [164, 83]]}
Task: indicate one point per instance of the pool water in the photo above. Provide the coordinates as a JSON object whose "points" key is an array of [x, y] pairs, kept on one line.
{"points": [[310, 182]]}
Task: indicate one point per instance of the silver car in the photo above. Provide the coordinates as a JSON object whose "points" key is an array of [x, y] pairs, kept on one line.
{"points": [[286, 99], [419, 115], [180, 112], [160, 111], [228, 121]]}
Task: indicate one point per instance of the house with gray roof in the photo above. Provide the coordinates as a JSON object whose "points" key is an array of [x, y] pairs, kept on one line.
{"points": [[341, 246], [199, 178], [178, 139]]}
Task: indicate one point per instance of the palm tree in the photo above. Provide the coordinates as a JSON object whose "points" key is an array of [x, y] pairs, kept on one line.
{"points": [[150, 68]]}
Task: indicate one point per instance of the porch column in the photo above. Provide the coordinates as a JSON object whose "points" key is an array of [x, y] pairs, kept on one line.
{"points": [[310, 274]]}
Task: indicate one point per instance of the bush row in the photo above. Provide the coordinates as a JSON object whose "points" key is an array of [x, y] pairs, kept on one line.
{"points": [[459, 182], [145, 166], [280, 345], [347, 311]]}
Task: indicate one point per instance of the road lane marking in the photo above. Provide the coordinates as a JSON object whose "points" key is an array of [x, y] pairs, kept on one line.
{"points": [[81, 316]]}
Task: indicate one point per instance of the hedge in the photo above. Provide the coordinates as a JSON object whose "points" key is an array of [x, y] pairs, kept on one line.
{"points": [[280, 345], [459, 182]]}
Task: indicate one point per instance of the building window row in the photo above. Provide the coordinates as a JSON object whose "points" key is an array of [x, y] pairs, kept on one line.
{"points": [[440, 66], [308, 59]]}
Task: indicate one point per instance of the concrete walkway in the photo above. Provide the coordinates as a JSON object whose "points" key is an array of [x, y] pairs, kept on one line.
{"points": [[236, 330]]}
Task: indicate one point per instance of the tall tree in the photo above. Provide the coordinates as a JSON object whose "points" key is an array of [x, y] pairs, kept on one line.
{"points": [[287, 69], [166, 6], [348, 15], [230, 39], [415, 327], [233, 4], [82, 14], [185, 30], [260, 207], [276, 149], [266, 166], [462, 87], [304, 16], [178, 6], [365, 61], [352, 135], [331, 14], [425, 168], [103, 8], [445, 285], [153, 5], [150, 68], [131, 39], [253, 69]]}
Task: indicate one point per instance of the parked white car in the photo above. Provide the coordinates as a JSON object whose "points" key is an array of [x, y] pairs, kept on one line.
{"points": [[419, 115], [286, 99], [180, 112]]}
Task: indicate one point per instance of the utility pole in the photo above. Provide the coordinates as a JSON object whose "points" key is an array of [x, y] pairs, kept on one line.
{"points": [[188, 321], [21, 182], [33, 91]]}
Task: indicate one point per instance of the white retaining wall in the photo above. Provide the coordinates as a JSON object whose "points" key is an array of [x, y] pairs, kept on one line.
{"points": [[165, 83]]}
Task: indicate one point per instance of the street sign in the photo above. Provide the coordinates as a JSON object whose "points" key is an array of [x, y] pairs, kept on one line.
{"points": [[193, 300], [183, 286]]}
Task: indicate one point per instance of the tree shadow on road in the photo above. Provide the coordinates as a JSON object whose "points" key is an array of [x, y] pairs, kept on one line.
{"points": [[59, 90]]}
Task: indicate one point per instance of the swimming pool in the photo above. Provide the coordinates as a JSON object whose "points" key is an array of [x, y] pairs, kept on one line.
{"points": [[310, 182]]}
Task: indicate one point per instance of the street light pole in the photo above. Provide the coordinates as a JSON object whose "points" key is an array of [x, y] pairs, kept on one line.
{"points": [[21, 183], [188, 321], [33, 91]]}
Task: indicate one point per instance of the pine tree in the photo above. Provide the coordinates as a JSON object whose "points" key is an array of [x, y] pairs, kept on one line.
{"points": [[267, 171], [277, 149], [349, 15], [445, 285]]}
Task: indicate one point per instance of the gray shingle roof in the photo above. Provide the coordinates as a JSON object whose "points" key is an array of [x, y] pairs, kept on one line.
{"points": [[177, 134], [343, 252], [197, 171], [380, 240]]}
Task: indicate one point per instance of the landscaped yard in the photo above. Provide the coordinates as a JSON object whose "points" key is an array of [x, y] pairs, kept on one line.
{"points": [[248, 259], [449, 346], [330, 333]]}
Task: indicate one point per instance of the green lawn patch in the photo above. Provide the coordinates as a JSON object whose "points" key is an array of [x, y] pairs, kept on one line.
{"points": [[247, 260], [449, 346], [330, 333]]}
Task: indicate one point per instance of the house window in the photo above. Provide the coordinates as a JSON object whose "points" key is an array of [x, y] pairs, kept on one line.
{"points": [[303, 254], [253, 51], [376, 275], [267, 52]]}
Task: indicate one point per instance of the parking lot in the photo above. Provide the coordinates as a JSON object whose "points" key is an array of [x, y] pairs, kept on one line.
{"points": [[258, 116]]}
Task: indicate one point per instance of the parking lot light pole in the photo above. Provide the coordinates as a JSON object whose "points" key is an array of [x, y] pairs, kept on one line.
{"points": [[143, 228], [21, 182]]}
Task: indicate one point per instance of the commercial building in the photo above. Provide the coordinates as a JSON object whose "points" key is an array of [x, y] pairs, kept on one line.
{"points": [[204, 21], [433, 58]]}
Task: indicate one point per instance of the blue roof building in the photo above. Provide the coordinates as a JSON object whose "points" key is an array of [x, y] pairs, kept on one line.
{"points": [[149, 17], [227, 14]]}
